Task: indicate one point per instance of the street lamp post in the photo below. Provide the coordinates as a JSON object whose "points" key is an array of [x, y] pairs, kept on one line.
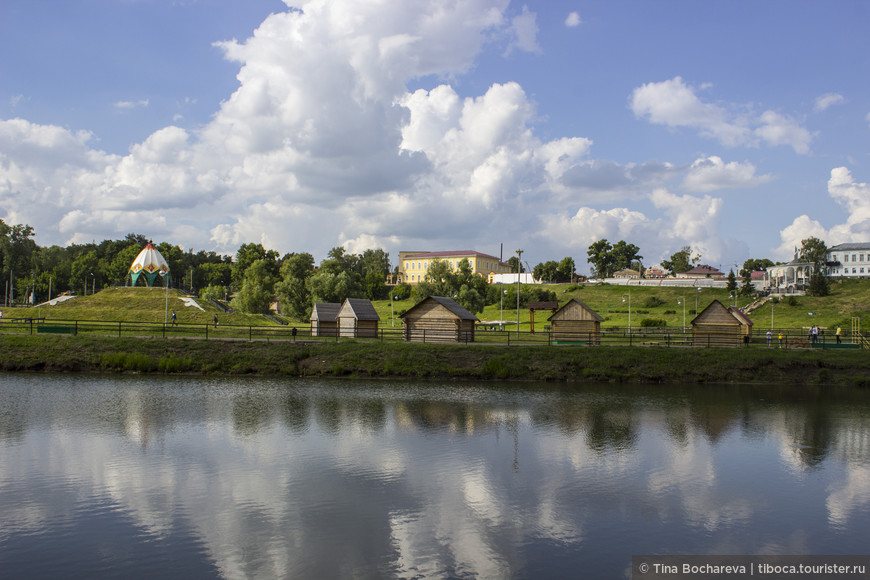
{"points": [[519, 267], [682, 301], [629, 309], [501, 309], [698, 293]]}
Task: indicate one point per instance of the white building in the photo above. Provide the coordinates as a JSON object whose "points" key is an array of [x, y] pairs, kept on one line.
{"points": [[849, 260]]}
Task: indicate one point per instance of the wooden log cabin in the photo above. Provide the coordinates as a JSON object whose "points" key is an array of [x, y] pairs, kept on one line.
{"points": [[575, 322], [438, 319], [324, 319], [358, 318], [719, 325]]}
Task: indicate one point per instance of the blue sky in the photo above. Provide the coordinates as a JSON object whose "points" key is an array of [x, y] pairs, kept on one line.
{"points": [[738, 128]]}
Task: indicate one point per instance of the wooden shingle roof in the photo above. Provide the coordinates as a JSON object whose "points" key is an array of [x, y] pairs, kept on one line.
{"points": [[448, 303], [362, 308], [325, 311]]}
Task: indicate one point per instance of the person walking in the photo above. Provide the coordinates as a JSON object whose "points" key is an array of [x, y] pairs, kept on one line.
{"points": [[838, 334], [215, 321], [769, 337], [173, 320], [780, 339]]}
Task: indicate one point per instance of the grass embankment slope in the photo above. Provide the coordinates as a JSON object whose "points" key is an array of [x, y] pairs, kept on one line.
{"points": [[849, 299], [373, 359]]}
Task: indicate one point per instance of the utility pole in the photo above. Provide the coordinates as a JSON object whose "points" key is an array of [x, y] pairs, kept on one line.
{"points": [[519, 268]]}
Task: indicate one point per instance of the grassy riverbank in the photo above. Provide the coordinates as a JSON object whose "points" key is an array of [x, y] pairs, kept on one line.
{"points": [[370, 359]]}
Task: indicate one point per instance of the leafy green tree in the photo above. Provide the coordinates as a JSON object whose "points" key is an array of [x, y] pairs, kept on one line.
{"points": [[814, 251], [258, 289], [516, 265], [731, 285], [375, 267], [328, 287], [116, 272], [755, 265], [246, 255], [546, 271], [216, 274], [293, 293], [214, 292], [567, 268], [463, 285], [440, 281], [82, 269], [623, 254], [681, 261], [601, 258]]}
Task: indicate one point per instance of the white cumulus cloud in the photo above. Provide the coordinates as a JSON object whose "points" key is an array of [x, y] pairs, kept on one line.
{"points": [[711, 173], [573, 20], [853, 197], [675, 104], [828, 100]]}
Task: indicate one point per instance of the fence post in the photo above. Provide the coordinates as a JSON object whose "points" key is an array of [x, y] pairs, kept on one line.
{"points": [[206, 331], [31, 326], [119, 329], [250, 334]]}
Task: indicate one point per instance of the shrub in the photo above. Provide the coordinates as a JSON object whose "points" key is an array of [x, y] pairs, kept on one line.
{"points": [[792, 301], [129, 361], [653, 323], [213, 292], [670, 311], [653, 302]]}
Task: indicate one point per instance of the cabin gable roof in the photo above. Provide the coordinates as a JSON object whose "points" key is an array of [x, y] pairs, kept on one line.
{"points": [[325, 311], [359, 308], [445, 303], [575, 310]]}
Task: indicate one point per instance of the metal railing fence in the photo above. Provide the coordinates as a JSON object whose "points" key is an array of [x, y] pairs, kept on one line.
{"points": [[786, 338]]}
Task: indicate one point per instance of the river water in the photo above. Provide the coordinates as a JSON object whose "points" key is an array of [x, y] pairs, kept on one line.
{"points": [[147, 477]]}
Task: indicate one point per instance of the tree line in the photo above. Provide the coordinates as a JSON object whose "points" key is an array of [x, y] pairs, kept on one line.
{"points": [[251, 281], [607, 259], [256, 277]]}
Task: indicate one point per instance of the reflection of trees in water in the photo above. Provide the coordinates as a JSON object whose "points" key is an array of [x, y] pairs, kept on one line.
{"points": [[334, 413], [12, 419], [812, 432], [327, 410], [426, 415], [251, 411], [609, 422], [611, 428], [295, 412]]}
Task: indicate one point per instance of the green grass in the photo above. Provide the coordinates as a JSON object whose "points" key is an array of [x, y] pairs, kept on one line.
{"points": [[849, 298], [137, 304], [422, 361]]}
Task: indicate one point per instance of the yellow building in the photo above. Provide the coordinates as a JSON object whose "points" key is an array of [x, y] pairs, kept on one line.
{"points": [[414, 265]]}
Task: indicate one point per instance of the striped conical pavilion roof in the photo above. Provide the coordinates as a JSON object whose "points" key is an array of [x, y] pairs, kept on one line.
{"points": [[149, 262]]}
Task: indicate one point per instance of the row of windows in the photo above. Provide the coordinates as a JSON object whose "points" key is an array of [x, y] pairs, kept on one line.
{"points": [[855, 257], [483, 264], [846, 271]]}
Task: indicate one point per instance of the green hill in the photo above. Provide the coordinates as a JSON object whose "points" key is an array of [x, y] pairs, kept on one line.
{"points": [[849, 299], [136, 304]]}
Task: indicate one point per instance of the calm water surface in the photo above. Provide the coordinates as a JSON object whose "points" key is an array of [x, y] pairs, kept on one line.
{"points": [[228, 478]]}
